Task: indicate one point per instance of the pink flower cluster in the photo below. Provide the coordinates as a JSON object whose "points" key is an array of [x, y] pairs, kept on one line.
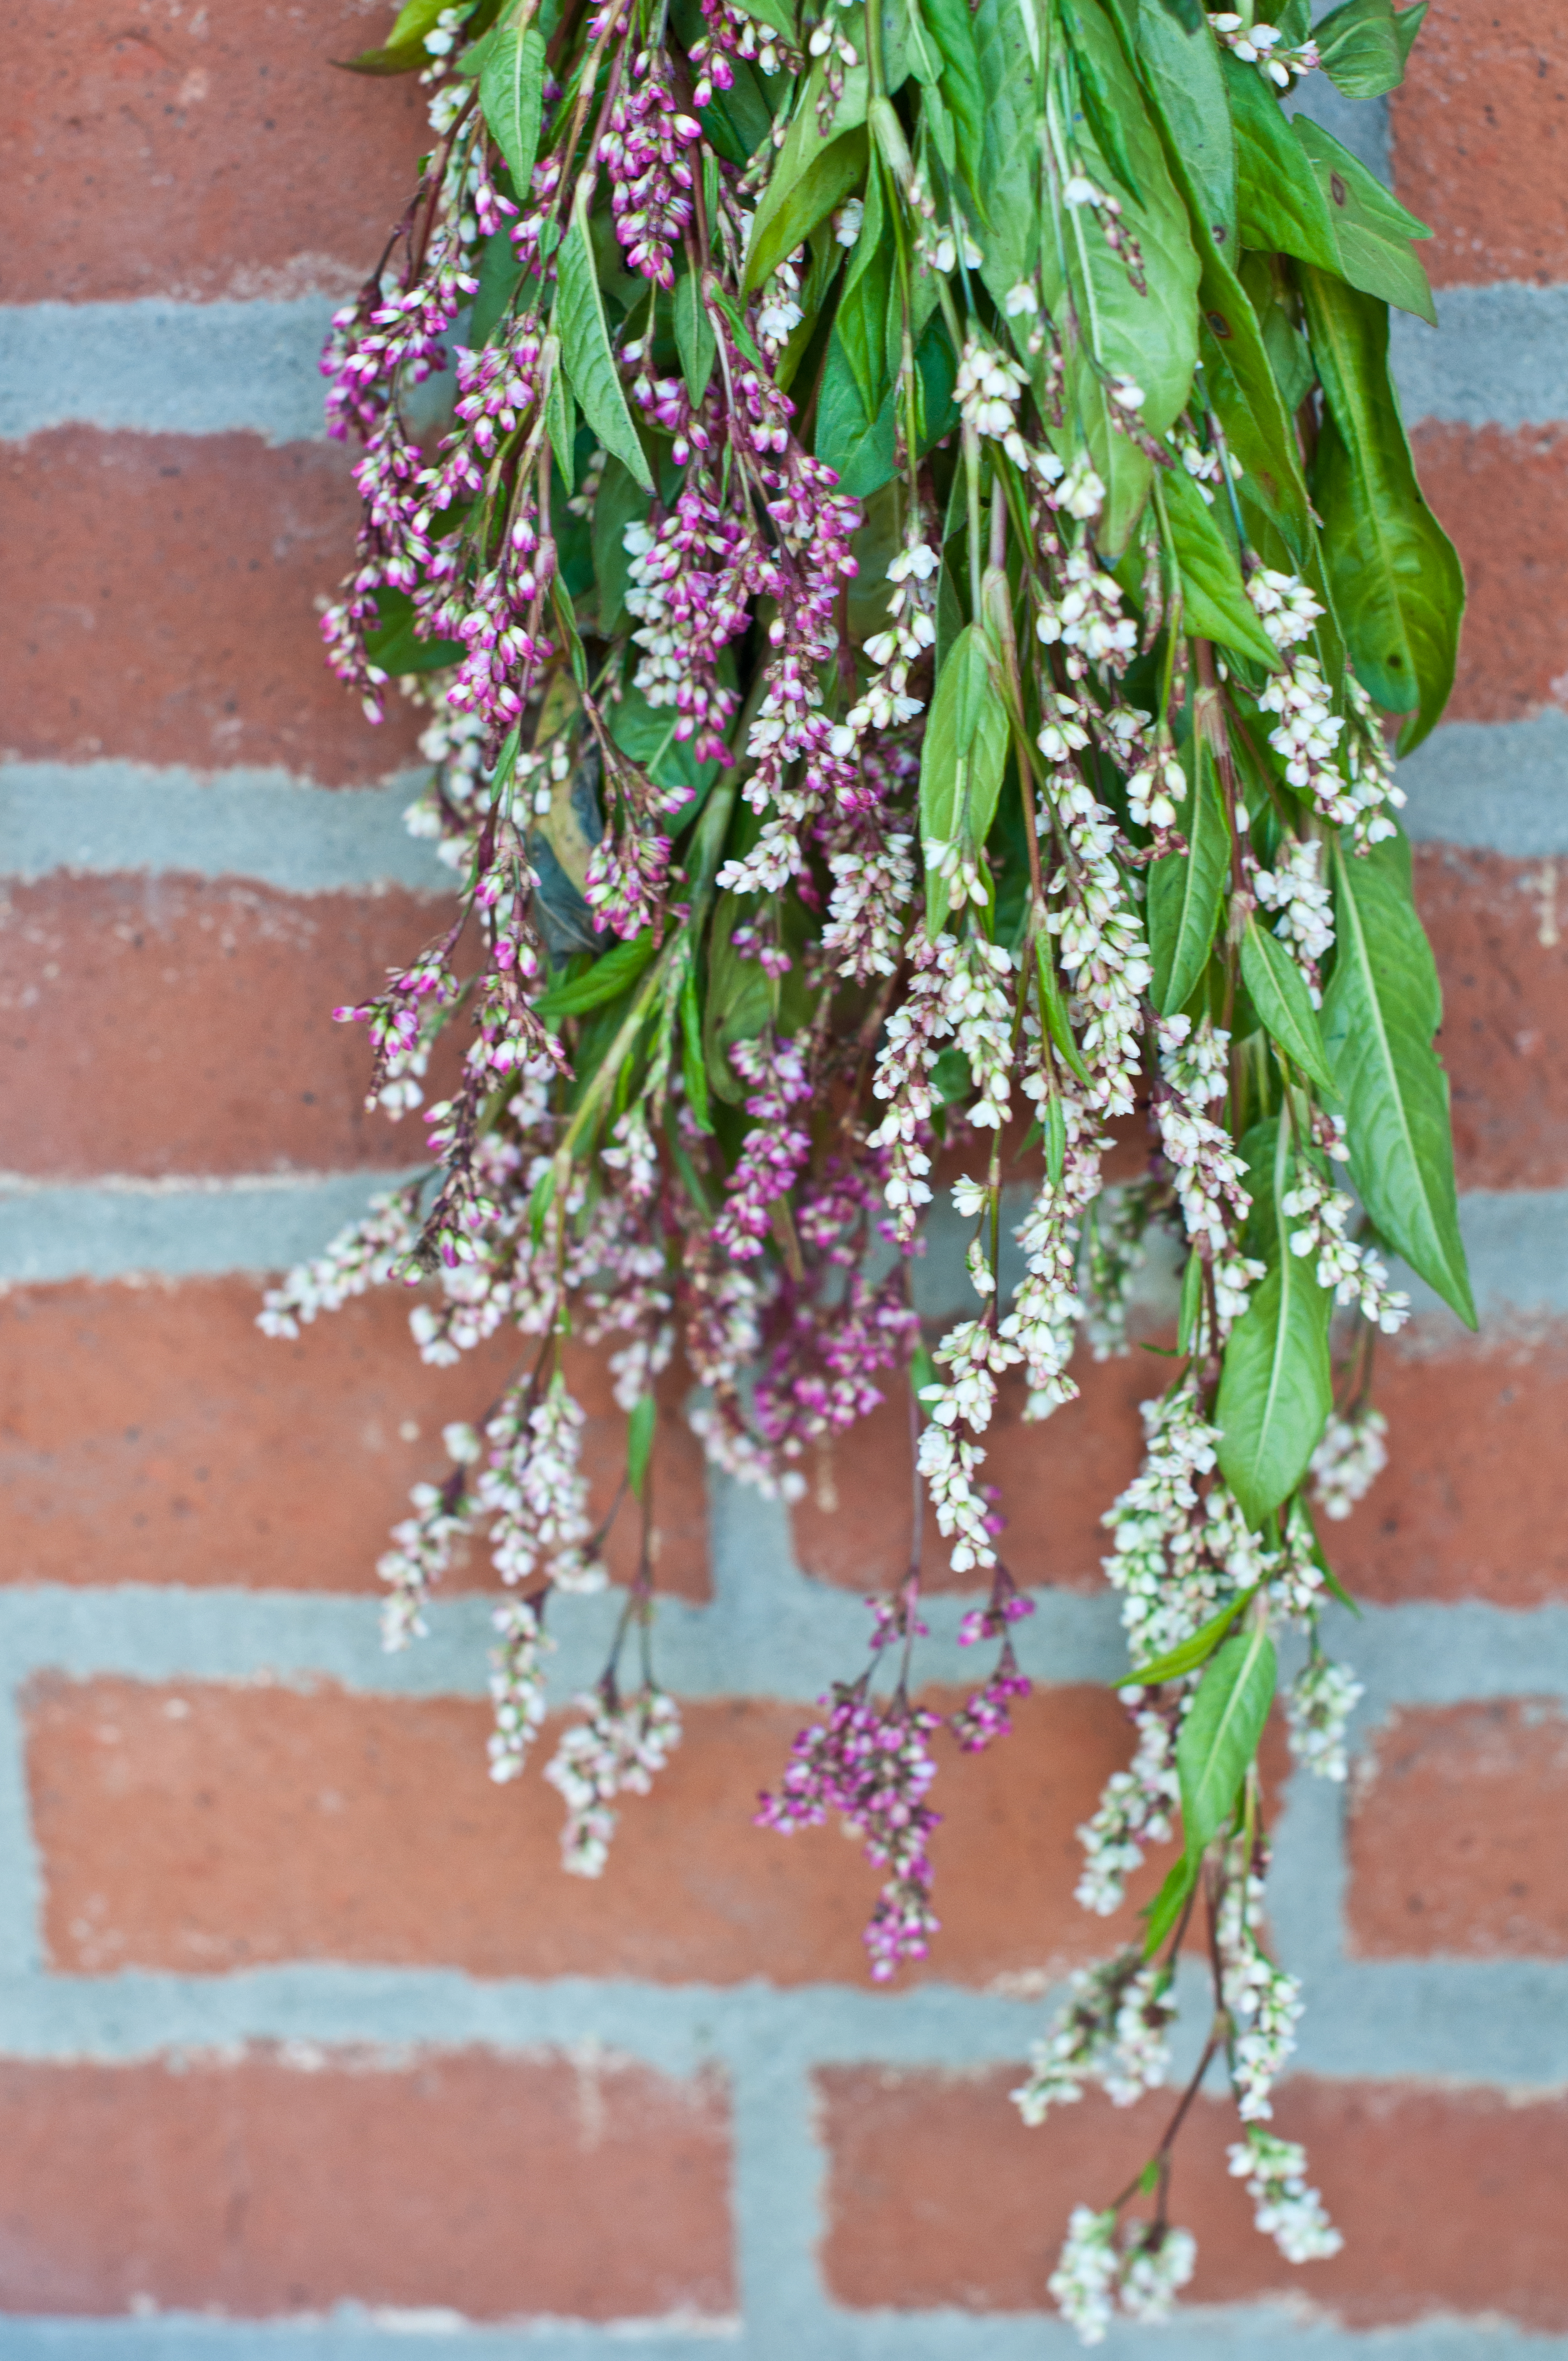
{"points": [[643, 149]]}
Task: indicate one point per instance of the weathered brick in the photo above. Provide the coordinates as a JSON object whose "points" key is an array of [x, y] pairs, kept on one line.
{"points": [[1503, 498], [1502, 955], [1456, 1833], [161, 605], [205, 1828], [157, 150], [181, 1025], [1450, 2199], [1480, 142], [289, 2180], [1469, 1506], [148, 1432]]}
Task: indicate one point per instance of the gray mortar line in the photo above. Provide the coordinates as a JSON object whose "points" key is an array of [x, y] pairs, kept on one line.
{"points": [[1494, 787], [117, 818]]}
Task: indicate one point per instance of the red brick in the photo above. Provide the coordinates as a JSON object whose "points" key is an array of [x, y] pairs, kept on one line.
{"points": [[1480, 142], [1503, 498], [176, 1024], [148, 1432], [162, 604], [1450, 2199], [1470, 1504], [205, 1828], [1502, 958], [279, 2181], [1456, 1833], [157, 150]]}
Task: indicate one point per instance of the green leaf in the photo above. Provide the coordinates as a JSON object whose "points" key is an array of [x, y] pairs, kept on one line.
{"points": [[1408, 23], [640, 1428], [1180, 62], [952, 1077], [585, 346], [695, 340], [1398, 585], [1191, 1303], [812, 176], [961, 763], [1165, 1910], [1054, 1129], [404, 47], [1380, 1012], [1003, 173], [1218, 1737], [1053, 1005], [500, 273], [862, 323], [1186, 890], [694, 1070], [1192, 1653], [1360, 47], [1372, 230], [775, 13], [1248, 401], [1280, 994], [739, 999], [512, 97], [396, 646], [620, 501], [606, 979], [951, 28], [1277, 1386], [1102, 96], [560, 418], [1215, 603], [861, 448]]}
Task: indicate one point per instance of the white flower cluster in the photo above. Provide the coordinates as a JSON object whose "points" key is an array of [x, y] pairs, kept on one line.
{"points": [[1100, 943], [1308, 730], [872, 886], [517, 1686], [1201, 1154], [1318, 1707], [365, 1254], [1287, 2211], [1047, 1309], [615, 1753], [1086, 616], [1264, 2003], [1111, 2032], [1090, 2277], [948, 1460], [1355, 1273], [421, 1553], [1351, 1456], [1133, 1811], [533, 1488], [1294, 887], [955, 993], [1259, 45]]}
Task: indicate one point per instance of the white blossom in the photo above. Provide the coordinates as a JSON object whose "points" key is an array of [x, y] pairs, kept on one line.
{"points": [[1287, 2211]]}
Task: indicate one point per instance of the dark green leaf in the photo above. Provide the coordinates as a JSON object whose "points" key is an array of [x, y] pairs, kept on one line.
{"points": [[694, 1072], [961, 763], [395, 645], [1186, 890], [1180, 63], [499, 276], [1218, 1737], [621, 500], [739, 999], [511, 97], [1004, 172], [640, 1428], [1054, 1129], [862, 448], [1398, 588], [1360, 47], [1053, 1005], [606, 979], [952, 1077], [951, 30], [1252, 405], [1280, 994], [695, 339], [1191, 1653], [1191, 1303], [1214, 602], [862, 323], [812, 175], [584, 345], [1380, 1012], [1408, 23], [1277, 1386], [1372, 231], [1102, 97], [646, 733], [561, 420]]}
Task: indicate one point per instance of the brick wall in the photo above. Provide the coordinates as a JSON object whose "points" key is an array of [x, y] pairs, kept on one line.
{"points": [[305, 2047]]}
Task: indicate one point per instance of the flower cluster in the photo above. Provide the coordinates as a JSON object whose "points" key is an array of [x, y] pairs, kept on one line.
{"points": [[1111, 2032], [616, 1751]]}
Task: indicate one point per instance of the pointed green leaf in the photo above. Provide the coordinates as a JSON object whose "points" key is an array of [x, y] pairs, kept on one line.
{"points": [[1360, 47], [621, 500], [585, 346], [512, 97], [949, 28], [1192, 1653], [1380, 1012], [1168, 1904], [1053, 1005], [962, 764], [694, 1070], [606, 979], [1248, 401], [1180, 63], [1277, 1386], [1397, 585], [1186, 890], [695, 340], [560, 418], [1218, 1737], [1372, 231], [1280, 994], [1215, 603], [640, 1428], [812, 175]]}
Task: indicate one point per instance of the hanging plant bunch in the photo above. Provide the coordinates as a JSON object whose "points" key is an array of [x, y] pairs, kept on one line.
{"points": [[910, 606]]}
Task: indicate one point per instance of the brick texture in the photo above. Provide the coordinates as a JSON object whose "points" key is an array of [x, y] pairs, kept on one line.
{"points": [[199, 1828], [160, 604], [148, 1432], [257, 170], [276, 2182], [937, 2194], [177, 1025], [1456, 1833], [1480, 141], [1503, 498]]}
